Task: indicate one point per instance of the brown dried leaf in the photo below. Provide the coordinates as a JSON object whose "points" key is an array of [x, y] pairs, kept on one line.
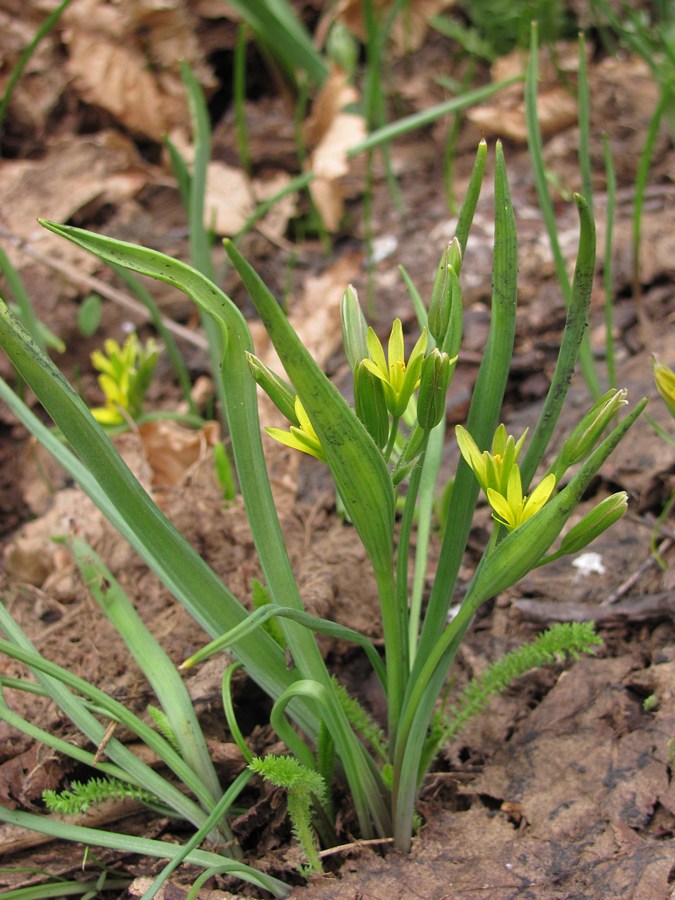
{"points": [[231, 197], [126, 59], [505, 117], [410, 27], [105, 167], [332, 132], [172, 450]]}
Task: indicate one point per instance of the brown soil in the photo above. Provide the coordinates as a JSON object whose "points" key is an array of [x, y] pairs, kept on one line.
{"points": [[564, 787]]}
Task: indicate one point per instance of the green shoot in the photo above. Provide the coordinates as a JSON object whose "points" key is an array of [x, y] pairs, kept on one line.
{"points": [[303, 787], [535, 144], [126, 373], [82, 795], [566, 639], [26, 54]]}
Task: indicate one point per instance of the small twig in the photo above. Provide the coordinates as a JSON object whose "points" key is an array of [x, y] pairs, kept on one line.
{"points": [[127, 302], [623, 588], [354, 845]]}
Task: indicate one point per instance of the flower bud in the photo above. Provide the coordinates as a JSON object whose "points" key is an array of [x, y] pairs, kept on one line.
{"points": [[455, 254], [606, 513], [442, 292], [279, 391], [437, 371], [665, 382], [370, 404], [589, 431], [354, 328]]}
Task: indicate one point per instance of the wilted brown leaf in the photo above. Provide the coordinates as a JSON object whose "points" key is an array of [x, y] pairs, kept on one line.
{"points": [[409, 28], [171, 449], [231, 197], [556, 104], [332, 132], [126, 59], [79, 171]]}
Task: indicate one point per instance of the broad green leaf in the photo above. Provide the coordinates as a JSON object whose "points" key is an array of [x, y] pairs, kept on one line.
{"points": [[356, 463], [131, 510], [261, 656]]}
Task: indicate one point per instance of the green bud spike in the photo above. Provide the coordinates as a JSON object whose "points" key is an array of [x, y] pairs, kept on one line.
{"points": [[370, 405], [455, 255], [437, 371], [588, 432], [441, 300], [606, 513], [354, 328], [278, 390]]}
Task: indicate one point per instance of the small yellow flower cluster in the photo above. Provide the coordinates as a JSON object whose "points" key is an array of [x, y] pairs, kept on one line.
{"points": [[126, 373], [498, 474]]}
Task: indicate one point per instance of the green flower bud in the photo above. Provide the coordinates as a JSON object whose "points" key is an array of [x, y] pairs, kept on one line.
{"points": [[445, 287], [589, 431], [370, 405], [606, 513], [455, 254], [354, 328], [437, 371], [342, 48], [278, 390], [441, 296]]}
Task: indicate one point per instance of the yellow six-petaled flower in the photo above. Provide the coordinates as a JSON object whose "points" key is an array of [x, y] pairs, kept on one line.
{"points": [[300, 437], [399, 379], [498, 474]]}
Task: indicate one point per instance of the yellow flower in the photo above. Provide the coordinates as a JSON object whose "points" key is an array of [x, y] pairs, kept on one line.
{"points": [[126, 372], [300, 437], [492, 468], [665, 382], [513, 508], [399, 379]]}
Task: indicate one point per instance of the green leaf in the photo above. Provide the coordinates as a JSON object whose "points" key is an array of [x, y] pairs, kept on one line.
{"points": [[89, 315], [356, 463]]}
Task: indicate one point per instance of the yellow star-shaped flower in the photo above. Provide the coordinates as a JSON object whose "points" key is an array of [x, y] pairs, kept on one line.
{"points": [[300, 437], [399, 379]]}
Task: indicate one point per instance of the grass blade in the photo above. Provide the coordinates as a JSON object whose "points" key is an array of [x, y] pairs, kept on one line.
{"points": [[575, 327], [536, 147]]}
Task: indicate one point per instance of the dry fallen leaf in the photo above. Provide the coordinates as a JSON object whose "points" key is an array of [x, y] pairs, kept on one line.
{"points": [[231, 197], [172, 450], [409, 28], [125, 58], [78, 171], [556, 104], [330, 131]]}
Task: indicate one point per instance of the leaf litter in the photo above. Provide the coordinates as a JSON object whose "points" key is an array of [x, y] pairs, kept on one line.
{"points": [[564, 787]]}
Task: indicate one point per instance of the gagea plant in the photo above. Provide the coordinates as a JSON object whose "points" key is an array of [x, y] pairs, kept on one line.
{"points": [[384, 455]]}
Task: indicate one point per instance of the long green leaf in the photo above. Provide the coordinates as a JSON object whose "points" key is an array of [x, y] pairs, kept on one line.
{"points": [[485, 407], [152, 659], [313, 623], [94, 837], [356, 464], [261, 656], [536, 148], [575, 327], [132, 511], [482, 420], [57, 681]]}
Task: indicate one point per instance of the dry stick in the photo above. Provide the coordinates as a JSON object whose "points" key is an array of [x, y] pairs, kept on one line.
{"points": [[127, 302], [617, 594], [355, 845]]}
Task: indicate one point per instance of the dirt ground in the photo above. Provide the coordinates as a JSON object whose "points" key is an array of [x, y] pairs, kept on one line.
{"points": [[564, 788]]}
